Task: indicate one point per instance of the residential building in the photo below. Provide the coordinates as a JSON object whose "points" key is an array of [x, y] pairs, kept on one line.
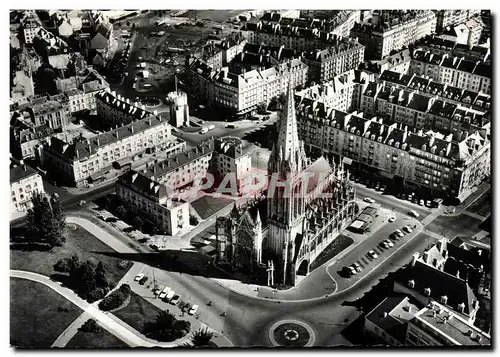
{"points": [[437, 325], [82, 161], [342, 93], [218, 157], [30, 25], [425, 86], [448, 165], [467, 33], [26, 138], [49, 112], [24, 182], [219, 53], [298, 38], [457, 72], [388, 321], [398, 62], [23, 84], [440, 46], [391, 30], [242, 93], [445, 18], [117, 110], [152, 201], [327, 63], [260, 57]]}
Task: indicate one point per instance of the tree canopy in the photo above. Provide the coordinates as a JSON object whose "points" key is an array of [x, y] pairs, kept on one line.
{"points": [[46, 219], [166, 328]]}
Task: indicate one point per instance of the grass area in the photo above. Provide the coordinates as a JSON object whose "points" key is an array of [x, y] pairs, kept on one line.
{"points": [[102, 339], [207, 206], [339, 244], [79, 242], [35, 319], [137, 312], [451, 226]]}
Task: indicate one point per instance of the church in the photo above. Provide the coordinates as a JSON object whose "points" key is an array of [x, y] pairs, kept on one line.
{"points": [[306, 204]]}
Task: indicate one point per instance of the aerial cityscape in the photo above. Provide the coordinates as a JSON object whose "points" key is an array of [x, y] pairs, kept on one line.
{"points": [[250, 178]]}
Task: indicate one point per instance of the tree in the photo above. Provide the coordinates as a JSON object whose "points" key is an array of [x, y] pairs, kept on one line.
{"points": [[202, 337], [166, 328], [46, 219], [121, 211], [262, 108], [138, 222], [90, 326]]}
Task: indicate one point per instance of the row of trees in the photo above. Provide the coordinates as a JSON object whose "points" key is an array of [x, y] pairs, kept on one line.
{"points": [[116, 298], [86, 278], [46, 219]]}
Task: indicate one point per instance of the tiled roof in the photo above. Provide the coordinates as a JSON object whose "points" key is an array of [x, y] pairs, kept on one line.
{"points": [[419, 102], [443, 109], [19, 172], [123, 105], [143, 185]]}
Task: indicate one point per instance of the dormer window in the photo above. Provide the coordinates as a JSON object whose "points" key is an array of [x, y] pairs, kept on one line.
{"points": [[379, 139], [411, 284], [397, 145], [391, 141], [427, 291], [372, 137], [424, 147], [433, 150], [358, 132], [404, 146]]}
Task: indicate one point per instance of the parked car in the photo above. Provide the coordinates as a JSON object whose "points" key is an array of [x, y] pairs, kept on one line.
{"points": [[413, 214], [169, 296], [143, 280], [372, 254], [421, 202], [158, 290], [139, 277], [399, 233], [428, 203], [387, 244], [358, 267], [175, 300], [392, 219], [437, 202], [349, 271], [164, 292], [193, 310], [407, 229], [369, 200]]}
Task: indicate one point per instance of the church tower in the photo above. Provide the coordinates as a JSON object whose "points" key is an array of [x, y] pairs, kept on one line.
{"points": [[286, 206]]}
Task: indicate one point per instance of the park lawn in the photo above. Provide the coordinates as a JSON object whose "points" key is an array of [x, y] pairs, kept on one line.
{"points": [[207, 206], [340, 243], [137, 312], [102, 339], [79, 242], [35, 321]]}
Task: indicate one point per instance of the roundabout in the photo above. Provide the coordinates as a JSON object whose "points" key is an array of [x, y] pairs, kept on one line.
{"points": [[291, 333]]}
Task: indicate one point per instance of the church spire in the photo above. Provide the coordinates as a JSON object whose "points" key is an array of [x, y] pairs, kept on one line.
{"points": [[288, 152]]}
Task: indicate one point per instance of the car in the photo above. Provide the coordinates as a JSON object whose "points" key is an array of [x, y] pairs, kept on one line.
{"points": [[169, 296], [392, 219], [413, 214], [164, 292], [158, 289], [369, 200], [377, 187], [421, 202], [407, 229], [372, 254], [383, 188], [175, 300], [349, 271], [143, 280], [139, 277], [399, 233], [81, 203], [357, 267], [387, 244], [193, 310]]}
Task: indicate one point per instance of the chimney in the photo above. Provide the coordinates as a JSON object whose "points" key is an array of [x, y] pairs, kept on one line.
{"points": [[475, 304], [461, 307], [134, 176], [427, 291], [444, 299]]}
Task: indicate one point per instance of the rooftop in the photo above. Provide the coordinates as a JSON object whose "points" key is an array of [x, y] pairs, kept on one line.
{"points": [[20, 171]]}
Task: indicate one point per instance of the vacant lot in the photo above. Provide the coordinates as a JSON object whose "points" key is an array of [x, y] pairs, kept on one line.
{"points": [[35, 319], [102, 339], [79, 242], [207, 206], [453, 226], [339, 244], [137, 312]]}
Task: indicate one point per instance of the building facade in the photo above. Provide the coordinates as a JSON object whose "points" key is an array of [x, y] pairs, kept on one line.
{"points": [[445, 18], [117, 110], [80, 162], [150, 199], [24, 182], [449, 165], [391, 30]]}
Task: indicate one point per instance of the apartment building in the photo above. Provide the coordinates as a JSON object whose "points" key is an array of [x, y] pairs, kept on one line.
{"points": [[24, 182], [241, 93], [219, 53], [342, 93], [150, 199], [454, 71], [445, 18], [398, 62], [298, 38], [467, 33], [30, 25], [391, 30], [338, 22], [117, 110], [51, 113], [448, 165], [218, 157], [80, 162], [26, 138], [440, 46], [327, 63], [447, 93], [437, 325]]}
